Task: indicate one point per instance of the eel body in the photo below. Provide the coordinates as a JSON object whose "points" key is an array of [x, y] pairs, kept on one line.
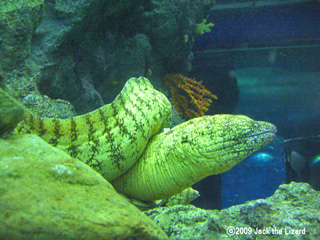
{"points": [[111, 138], [118, 141], [191, 151]]}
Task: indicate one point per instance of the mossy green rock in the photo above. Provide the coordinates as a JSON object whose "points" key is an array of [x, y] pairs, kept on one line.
{"points": [[11, 113], [293, 206], [18, 20], [46, 194]]}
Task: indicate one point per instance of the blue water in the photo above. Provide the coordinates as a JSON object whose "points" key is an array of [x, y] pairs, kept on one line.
{"points": [[263, 63], [258, 176]]}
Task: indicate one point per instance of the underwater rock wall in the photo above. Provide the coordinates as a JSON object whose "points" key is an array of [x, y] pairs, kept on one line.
{"points": [[293, 206], [84, 51]]}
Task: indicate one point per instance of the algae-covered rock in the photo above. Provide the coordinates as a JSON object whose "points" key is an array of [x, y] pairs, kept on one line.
{"points": [[18, 20], [11, 113], [185, 197], [46, 194], [293, 207]]}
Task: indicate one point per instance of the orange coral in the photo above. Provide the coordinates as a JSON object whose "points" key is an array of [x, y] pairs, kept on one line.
{"points": [[190, 98]]}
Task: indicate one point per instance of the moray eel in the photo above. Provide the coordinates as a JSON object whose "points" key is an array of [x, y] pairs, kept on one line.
{"points": [[191, 151], [112, 138], [119, 141]]}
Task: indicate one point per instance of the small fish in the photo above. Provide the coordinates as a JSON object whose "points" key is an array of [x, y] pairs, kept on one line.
{"points": [[299, 164]]}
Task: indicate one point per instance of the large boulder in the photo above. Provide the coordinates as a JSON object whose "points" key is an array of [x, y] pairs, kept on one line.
{"points": [[46, 194]]}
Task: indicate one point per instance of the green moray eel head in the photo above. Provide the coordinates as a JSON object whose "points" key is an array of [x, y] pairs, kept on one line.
{"points": [[217, 143], [176, 159]]}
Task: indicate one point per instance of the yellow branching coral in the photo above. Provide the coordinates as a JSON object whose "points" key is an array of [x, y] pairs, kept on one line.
{"points": [[204, 27], [190, 98]]}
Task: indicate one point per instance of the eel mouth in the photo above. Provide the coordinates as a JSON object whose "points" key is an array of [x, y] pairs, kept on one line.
{"points": [[268, 133], [271, 131], [264, 136]]}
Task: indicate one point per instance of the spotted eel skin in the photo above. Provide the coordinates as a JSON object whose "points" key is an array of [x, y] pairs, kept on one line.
{"points": [[191, 151], [117, 141], [112, 138]]}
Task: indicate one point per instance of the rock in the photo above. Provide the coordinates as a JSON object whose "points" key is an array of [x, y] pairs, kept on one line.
{"points": [[293, 206], [184, 198], [46, 194], [11, 113], [42, 105], [111, 60], [18, 20], [84, 51], [19, 61]]}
